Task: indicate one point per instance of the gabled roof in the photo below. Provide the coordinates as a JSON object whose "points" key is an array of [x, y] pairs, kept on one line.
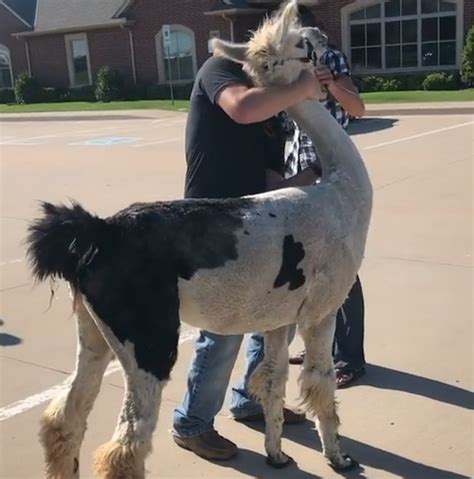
{"points": [[25, 10], [60, 16], [68, 14]]}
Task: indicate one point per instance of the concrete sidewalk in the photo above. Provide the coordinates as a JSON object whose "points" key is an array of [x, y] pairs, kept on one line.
{"points": [[382, 109], [438, 108], [410, 417]]}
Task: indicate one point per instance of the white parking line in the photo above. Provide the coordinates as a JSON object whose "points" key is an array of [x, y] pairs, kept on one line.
{"points": [[24, 405], [153, 143], [426, 133]]}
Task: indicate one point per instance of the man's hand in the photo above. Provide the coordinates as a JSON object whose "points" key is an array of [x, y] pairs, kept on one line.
{"points": [[324, 75], [310, 84]]}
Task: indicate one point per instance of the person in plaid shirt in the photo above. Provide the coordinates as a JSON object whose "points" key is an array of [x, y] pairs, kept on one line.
{"points": [[334, 74], [343, 101]]}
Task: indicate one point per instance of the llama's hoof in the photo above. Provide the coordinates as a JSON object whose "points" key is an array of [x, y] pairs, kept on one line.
{"points": [[346, 465], [280, 462]]}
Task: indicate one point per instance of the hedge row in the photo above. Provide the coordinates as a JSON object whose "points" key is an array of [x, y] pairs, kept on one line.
{"points": [[430, 81], [110, 87]]}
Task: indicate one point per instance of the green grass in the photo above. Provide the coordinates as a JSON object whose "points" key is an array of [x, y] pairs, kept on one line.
{"points": [[92, 106], [182, 105], [418, 96]]}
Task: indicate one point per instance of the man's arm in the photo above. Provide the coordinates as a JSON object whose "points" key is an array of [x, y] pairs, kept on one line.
{"points": [[255, 104], [306, 177], [346, 93], [335, 75]]}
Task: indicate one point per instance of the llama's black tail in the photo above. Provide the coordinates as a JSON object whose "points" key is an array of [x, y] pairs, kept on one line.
{"points": [[61, 240]]}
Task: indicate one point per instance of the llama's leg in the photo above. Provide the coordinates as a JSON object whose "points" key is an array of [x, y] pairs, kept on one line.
{"points": [[146, 346], [318, 387], [64, 422], [267, 384]]}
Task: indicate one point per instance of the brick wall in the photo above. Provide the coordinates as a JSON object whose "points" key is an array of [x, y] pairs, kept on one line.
{"points": [[110, 47], [10, 24], [468, 14], [49, 61], [150, 15]]}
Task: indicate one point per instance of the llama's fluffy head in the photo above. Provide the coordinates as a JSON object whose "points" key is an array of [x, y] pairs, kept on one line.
{"points": [[279, 50]]}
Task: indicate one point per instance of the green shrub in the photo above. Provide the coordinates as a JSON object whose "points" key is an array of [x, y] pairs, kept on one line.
{"points": [[135, 92], [467, 69], [440, 81], [368, 83], [85, 93], [7, 95], [27, 89], [161, 91], [391, 84], [109, 85]]}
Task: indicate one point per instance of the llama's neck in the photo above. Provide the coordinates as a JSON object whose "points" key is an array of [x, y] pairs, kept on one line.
{"points": [[338, 154]]}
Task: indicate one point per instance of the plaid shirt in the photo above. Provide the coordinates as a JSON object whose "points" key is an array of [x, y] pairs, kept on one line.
{"points": [[300, 151]]}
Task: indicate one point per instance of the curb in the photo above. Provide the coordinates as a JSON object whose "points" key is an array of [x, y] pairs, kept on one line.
{"points": [[420, 111]]}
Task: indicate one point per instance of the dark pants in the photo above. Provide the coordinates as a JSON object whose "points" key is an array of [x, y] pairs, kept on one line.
{"points": [[348, 348]]}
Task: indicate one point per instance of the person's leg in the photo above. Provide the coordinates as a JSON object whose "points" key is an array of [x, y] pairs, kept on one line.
{"points": [[208, 378], [349, 336], [243, 404]]}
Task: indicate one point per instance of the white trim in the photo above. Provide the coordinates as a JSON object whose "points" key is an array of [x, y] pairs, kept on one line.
{"points": [[114, 23], [161, 59], [5, 50], [360, 4], [22, 20], [70, 63]]}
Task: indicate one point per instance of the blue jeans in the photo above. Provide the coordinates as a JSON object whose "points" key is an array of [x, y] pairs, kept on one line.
{"points": [[208, 379]]}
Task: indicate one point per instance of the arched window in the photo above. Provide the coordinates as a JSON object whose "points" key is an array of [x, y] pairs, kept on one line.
{"points": [[177, 60], [6, 76], [402, 35]]}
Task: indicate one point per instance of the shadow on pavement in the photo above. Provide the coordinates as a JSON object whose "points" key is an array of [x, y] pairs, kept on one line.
{"points": [[386, 378], [369, 125]]}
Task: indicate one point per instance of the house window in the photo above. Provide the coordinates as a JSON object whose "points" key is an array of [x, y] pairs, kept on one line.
{"points": [[177, 61], [78, 60], [403, 34], [6, 77]]}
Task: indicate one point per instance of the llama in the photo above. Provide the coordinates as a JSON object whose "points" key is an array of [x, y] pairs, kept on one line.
{"points": [[230, 266]]}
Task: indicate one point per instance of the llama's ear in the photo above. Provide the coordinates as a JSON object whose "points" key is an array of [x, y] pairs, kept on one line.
{"points": [[236, 52], [286, 18]]}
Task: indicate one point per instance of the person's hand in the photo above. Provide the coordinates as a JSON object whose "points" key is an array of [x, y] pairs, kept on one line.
{"points": [[309, 83], [324, 75], [273, 180]]}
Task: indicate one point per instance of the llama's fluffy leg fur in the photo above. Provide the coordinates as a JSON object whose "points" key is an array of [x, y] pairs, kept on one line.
{"points": [[318, 386], [267, 384], [65, 420], [124, 456]]}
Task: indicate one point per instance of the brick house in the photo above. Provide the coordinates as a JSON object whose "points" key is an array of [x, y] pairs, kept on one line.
{"points": [[63, 43]]}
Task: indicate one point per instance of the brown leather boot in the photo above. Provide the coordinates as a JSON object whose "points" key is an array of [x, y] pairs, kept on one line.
{"points": [[208, 445]]}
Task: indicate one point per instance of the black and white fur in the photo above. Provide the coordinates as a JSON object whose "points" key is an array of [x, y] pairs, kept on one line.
{"points": [[233, 266]]}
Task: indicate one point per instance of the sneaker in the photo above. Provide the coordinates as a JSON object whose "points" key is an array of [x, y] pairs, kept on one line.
{"points": [[290, 416], [208, 445]]}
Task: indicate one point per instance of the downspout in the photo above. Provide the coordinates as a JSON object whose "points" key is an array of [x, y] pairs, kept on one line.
{"points": [[132, 54], [231, 21], [28, 60]]}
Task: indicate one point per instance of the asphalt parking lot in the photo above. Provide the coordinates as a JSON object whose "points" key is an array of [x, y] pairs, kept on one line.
{"points": [[410, 417]]}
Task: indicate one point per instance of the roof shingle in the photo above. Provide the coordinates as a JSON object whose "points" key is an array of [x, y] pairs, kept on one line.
{"points": [[69, 14]]}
